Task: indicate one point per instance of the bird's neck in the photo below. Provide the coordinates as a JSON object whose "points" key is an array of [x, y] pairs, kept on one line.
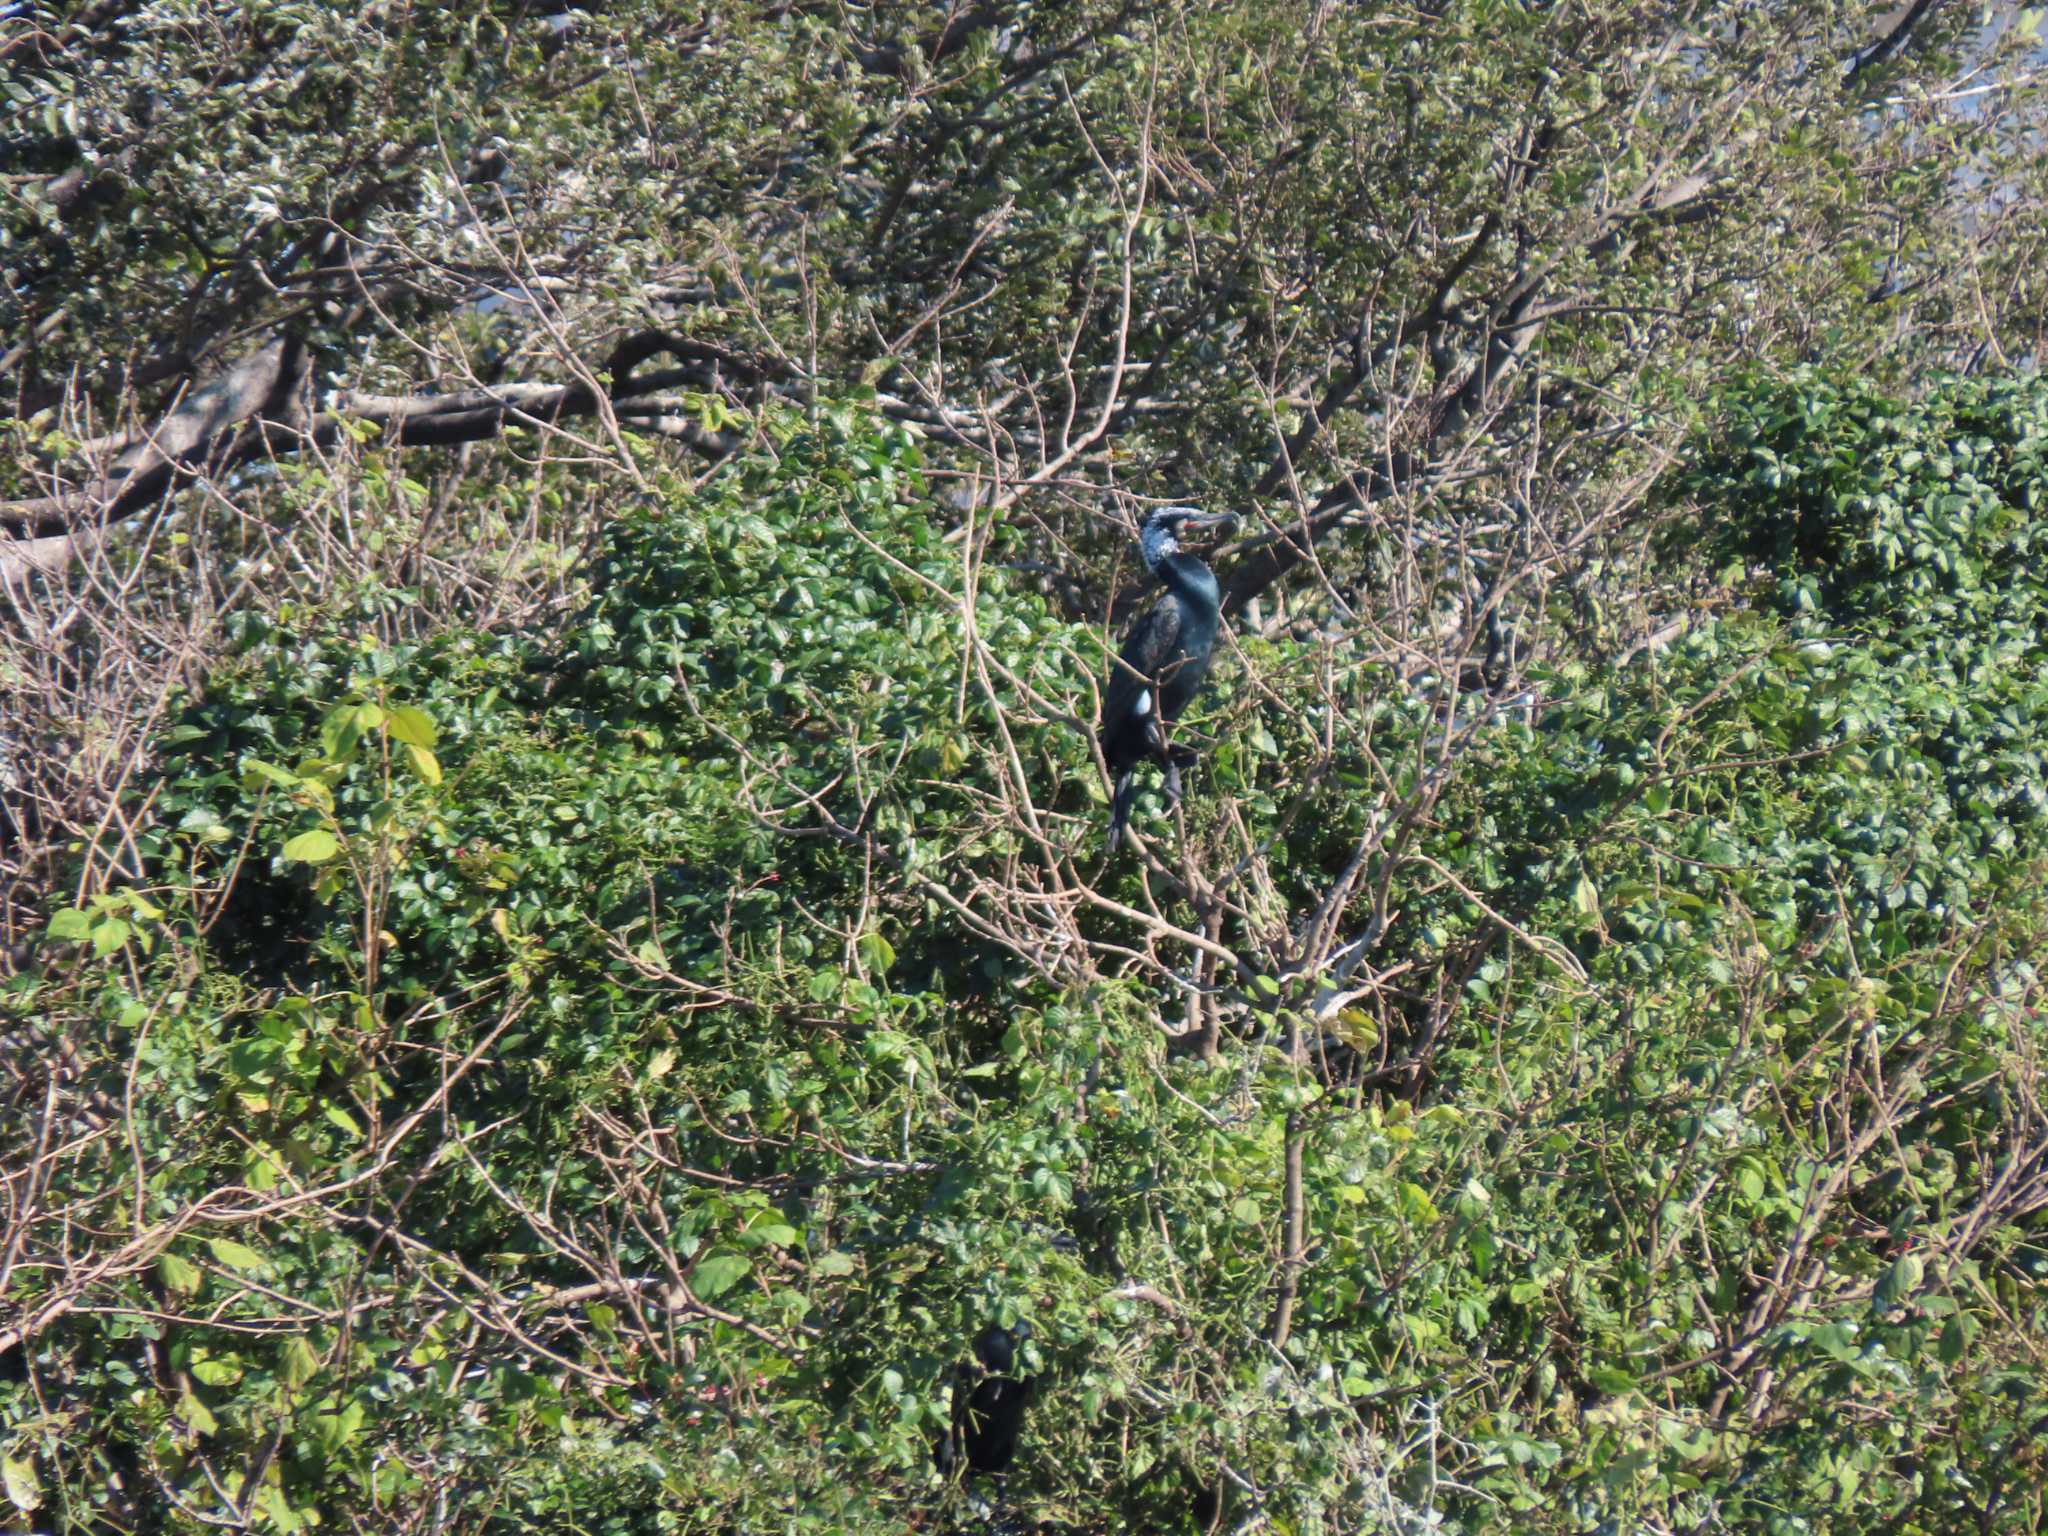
{"points": [[1193, 580]]}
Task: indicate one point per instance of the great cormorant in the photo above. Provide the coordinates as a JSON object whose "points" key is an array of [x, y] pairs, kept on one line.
{"points": [[987, 1419], [1164, 659]]}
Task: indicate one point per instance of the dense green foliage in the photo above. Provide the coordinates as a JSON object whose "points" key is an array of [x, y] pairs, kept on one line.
{"points": [[556, 960], [592, 1079]]}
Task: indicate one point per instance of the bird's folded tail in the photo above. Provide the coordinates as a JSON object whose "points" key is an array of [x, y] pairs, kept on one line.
{"points": [[1120, 809]]}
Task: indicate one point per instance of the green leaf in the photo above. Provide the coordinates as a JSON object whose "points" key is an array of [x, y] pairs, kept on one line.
{"points": [[235, 1255], [717, 1274], [24, 1489], [1417, 1206], [876, 952], [414, 727], [108, 935], [1586, 896], [341, 1119], [424, 763], [196, 1414], [314, 847], [216, 1373], [70, 923], [1689, 1443], [340, 732], [1955, 1338], [334, 1430], [178, 1273], [257, 772], [297, 1361]]}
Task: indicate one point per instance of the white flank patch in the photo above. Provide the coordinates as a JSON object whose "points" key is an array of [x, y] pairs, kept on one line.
{"points": [[1144, 702]]}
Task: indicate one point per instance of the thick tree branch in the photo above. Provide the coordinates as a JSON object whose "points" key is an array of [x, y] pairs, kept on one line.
{"points": [[260, 408]]}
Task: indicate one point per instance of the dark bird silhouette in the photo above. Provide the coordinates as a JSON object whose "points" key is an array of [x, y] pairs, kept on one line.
{"points": [[986, 1420], [1164, 659], [1895, 283]]}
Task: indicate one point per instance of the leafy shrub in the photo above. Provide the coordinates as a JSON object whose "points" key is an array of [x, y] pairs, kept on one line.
{"points": [[609, 1076]]}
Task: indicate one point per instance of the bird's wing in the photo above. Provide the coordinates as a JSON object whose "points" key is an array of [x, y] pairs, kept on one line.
{"points": [[1147, 647]]}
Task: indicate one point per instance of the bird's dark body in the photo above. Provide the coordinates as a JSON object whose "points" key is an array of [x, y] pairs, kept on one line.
{"points": [[988, 1419], [991, 1421], [1162, 666]]}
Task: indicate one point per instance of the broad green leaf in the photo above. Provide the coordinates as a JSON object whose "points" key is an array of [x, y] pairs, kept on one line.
{"points": [[336, 1430], [340, 732], [316, 846], [297, 1361], [24, 1488], [876, 952], [179, 1274], [717, 1274], [197, 1414], [215, 1372], [414, 727], [1585, 896], [341, 1119], [1954, 1340], [258, 772], [236, 1255], [70, 923]]}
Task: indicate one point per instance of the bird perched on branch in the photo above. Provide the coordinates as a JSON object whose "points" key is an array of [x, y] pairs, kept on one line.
{"points": [[1164, 659], [988, 1416]]}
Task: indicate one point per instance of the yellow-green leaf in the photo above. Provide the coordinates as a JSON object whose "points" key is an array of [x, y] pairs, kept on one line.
{"points": [[24, 1489], [414, 727], [424, 763], [70, 923], [257, 772], [196, 1414], [314, 847], [341, 1119], [340, 732], [180, 1274], [298, 1362], [1586, 897], [235, 1255], [217, 1373]]}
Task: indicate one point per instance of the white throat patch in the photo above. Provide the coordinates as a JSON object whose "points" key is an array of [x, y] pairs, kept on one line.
{"points": [[1156, 542]]}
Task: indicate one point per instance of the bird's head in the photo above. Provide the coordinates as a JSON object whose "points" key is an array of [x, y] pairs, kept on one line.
{"points": [[1164, 527], [997, 1347]]}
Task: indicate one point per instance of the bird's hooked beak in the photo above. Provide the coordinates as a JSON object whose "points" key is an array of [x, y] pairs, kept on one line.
{"points": [[1199, 521], [1216, 524]]}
